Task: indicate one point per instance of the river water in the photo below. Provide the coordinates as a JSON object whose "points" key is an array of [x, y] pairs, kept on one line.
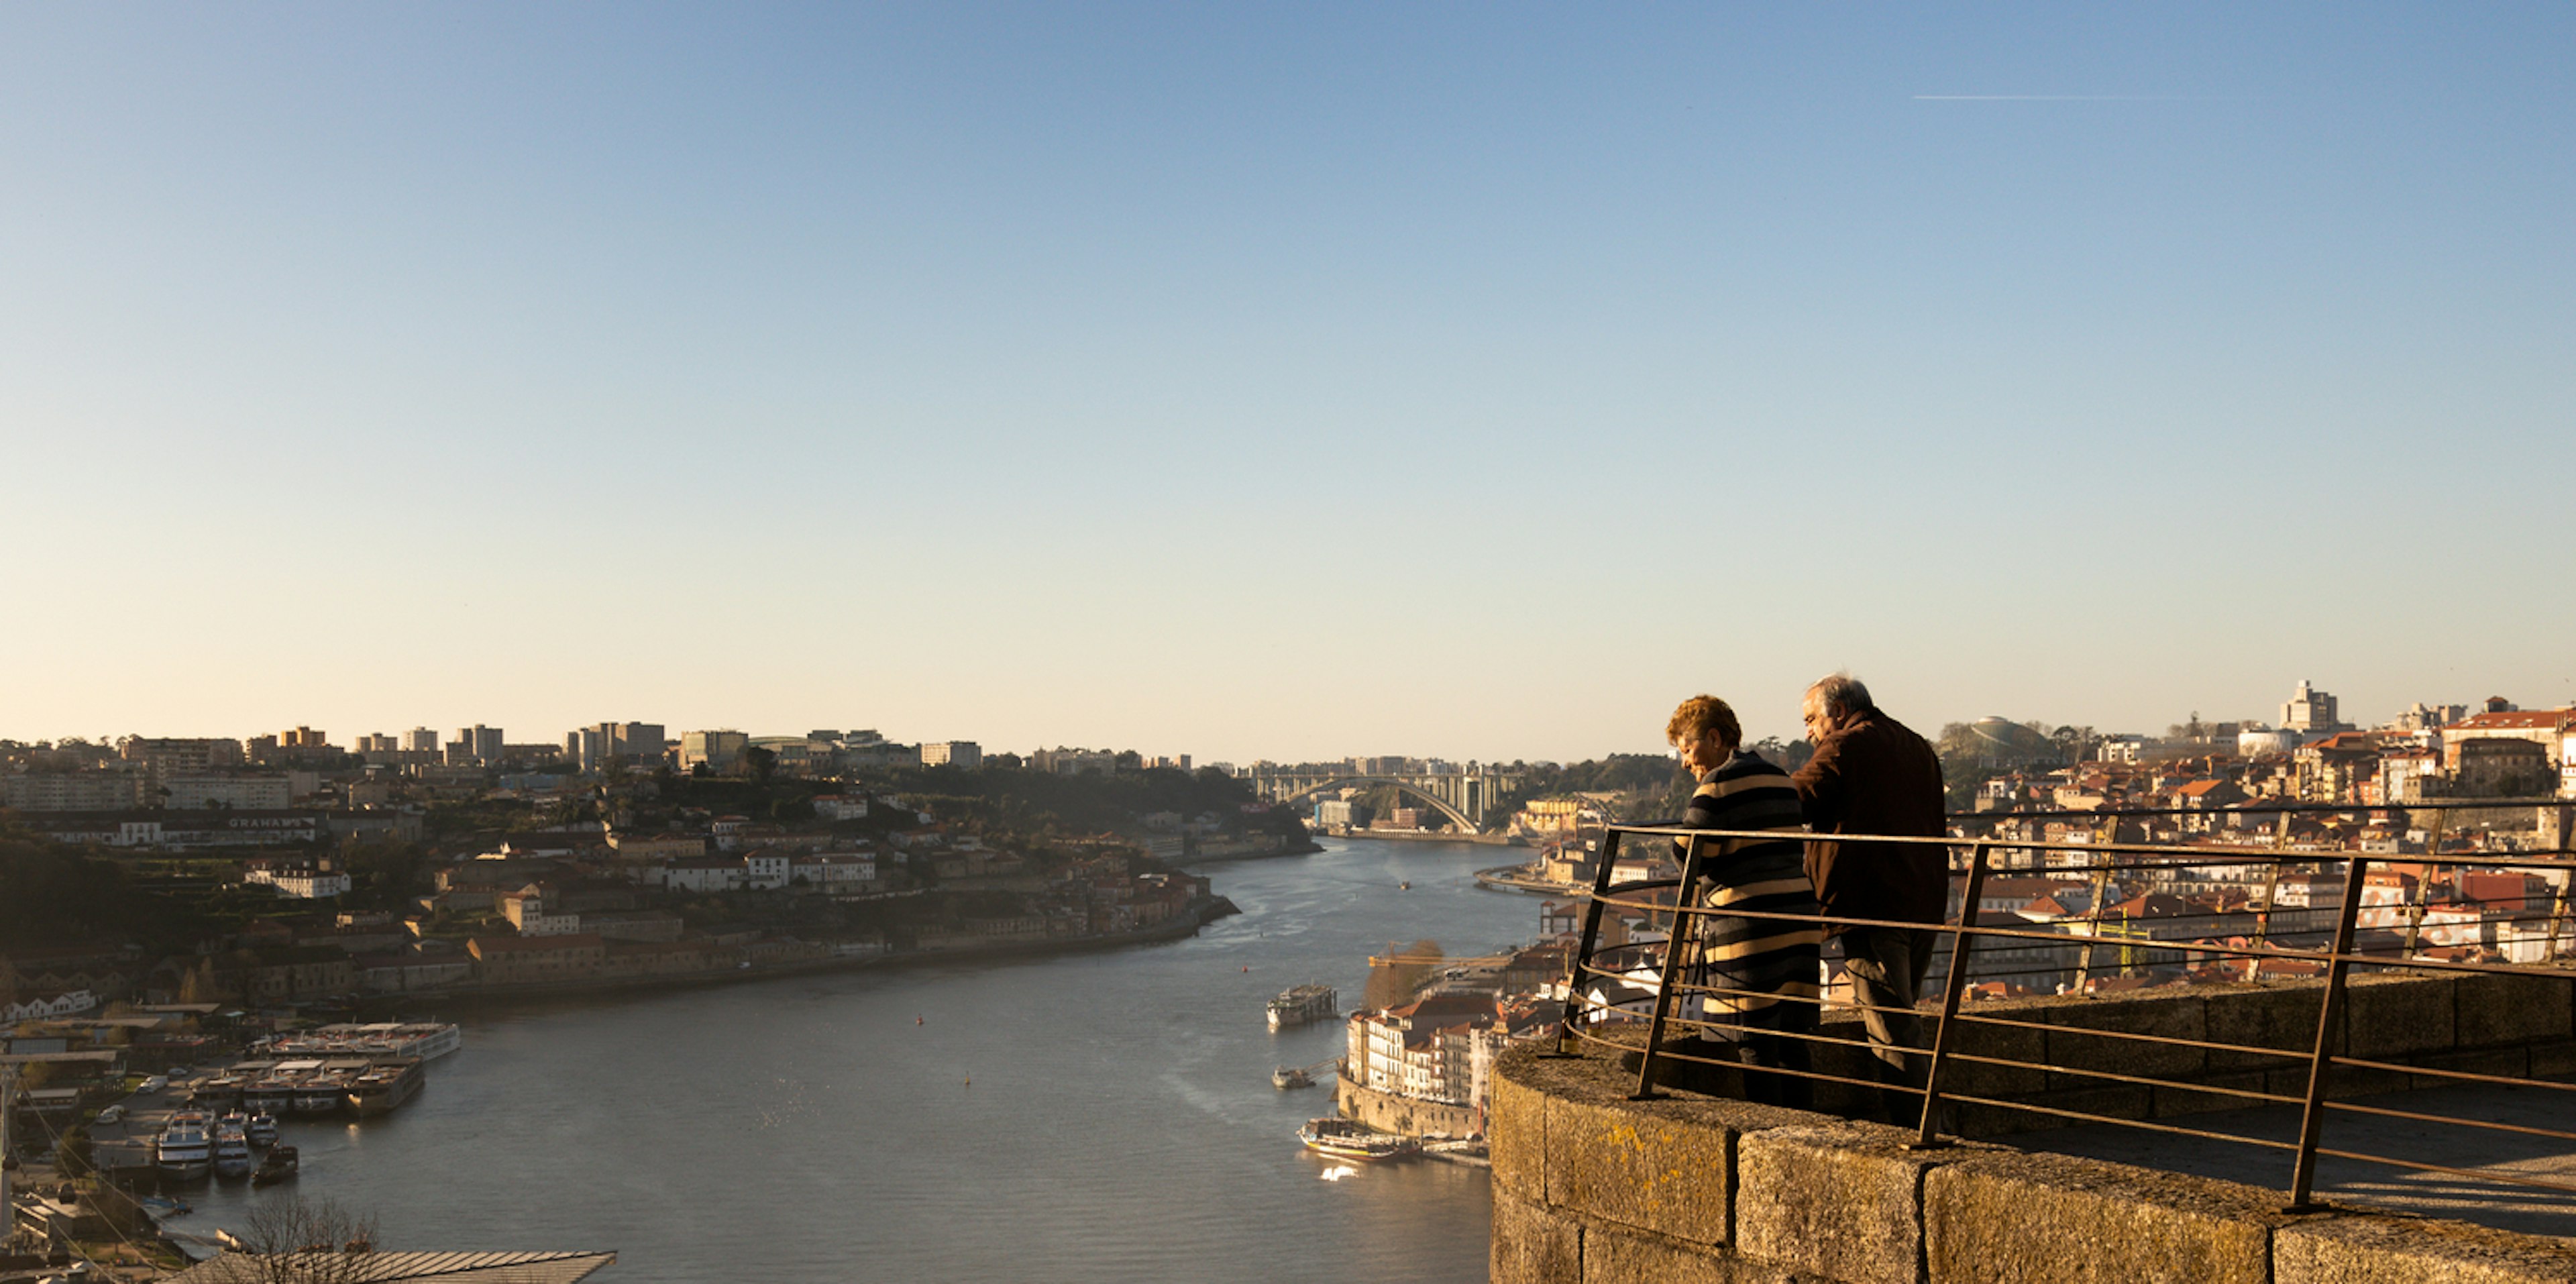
{"points": [[1103, 1116]]}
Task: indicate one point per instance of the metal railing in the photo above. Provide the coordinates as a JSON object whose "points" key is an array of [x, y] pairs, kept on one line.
{"points": [[2329, 951]]}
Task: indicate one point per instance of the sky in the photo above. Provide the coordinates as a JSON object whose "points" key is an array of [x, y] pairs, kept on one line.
{"points": [[1278, 381]]}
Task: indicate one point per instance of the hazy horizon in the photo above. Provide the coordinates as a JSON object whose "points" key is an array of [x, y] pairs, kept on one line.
{"points": [[1277, 382]]}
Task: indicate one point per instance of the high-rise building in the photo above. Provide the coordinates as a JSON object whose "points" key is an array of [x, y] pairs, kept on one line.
{"points": [[964, 755], [2310, 710], [420, 740], [486, 742], [718, 751]]}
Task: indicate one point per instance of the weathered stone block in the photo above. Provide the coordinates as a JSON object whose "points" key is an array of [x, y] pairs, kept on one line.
{"points": [[2496, 1009], [2364, 1249], [2554, 1059], [2207, 1097], [2391, 1015], [2512, 1063], [1516, 1138], [2073, 1045], [1980, 1038], [2280, 1018], [1614, 1256], [2011, 1218], [1532, 1245], [1837, 1202], [1644, 1168]]}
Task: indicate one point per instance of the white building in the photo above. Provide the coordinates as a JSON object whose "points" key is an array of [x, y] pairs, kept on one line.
{"points": [[841, 807], [306, 882], [964, 755], [704, 874], [835, 871], [765, 868]]}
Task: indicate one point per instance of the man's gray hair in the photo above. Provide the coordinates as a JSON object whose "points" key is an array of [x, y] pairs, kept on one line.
{"points": [[1841, 693]]}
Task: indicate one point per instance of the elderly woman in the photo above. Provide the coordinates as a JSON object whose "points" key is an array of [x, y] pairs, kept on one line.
{"points": [[1761, 973]]}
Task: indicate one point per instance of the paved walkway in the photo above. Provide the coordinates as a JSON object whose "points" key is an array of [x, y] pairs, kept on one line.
{"points": [[2502, 1204]]}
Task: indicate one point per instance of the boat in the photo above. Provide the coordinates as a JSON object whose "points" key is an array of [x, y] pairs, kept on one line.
{"points": [[268, 1096], [232, 1153], [382, 1088], [1286, 1077], [427, 1041], [222, 1092], [325, 1091], [1301, 1004], [184, 1152], [262, 1129], [1344, 1139], [280, 1165]]}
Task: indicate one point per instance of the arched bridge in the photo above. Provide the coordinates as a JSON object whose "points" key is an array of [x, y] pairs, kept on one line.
{"points": [[1463, 798]]}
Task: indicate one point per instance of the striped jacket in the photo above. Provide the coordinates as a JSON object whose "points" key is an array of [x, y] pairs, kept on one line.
{"points": [[1757, 970]]}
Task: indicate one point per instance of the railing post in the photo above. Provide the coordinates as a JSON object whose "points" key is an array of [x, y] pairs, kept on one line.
{"points": [[2312, 1120], [1582, 960], [1672, 971], [1954, 985], [2093, 921]]}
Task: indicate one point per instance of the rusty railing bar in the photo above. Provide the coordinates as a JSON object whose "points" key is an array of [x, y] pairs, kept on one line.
{"points": [[1672, 969], [1582, 957], [2312, 1117], [1952, 982], [2177, 1129], [2418, 1116]]}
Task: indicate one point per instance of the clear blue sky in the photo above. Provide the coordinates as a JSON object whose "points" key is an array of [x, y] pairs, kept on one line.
{"points": [[1284, 381]]}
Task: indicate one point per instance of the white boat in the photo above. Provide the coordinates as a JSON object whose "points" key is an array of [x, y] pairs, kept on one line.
{"points": [[427, 1041], [1343, 1139], [262, 1129], [232, 1154], [319, 1095], [184, 1152], [380, 1089], [1301, 1004]]}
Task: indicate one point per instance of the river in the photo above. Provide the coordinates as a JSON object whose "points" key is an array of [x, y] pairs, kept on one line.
{"points": [[1101, 1116]]}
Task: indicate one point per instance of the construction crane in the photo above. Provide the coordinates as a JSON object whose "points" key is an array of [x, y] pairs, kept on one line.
{"points": [[1439, 960]]}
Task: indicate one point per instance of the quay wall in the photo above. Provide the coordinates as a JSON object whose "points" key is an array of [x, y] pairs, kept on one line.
{"points": [[1405, 1116], [1591, 1188]]}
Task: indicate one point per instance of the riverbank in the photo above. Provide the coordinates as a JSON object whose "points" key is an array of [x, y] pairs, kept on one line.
{"points": [[1517, 878], [1179, 927]]}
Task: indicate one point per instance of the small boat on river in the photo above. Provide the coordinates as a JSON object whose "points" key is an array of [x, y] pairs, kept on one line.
{"points": [[280, 1165], [1344, 1139], [1302, 1004]]}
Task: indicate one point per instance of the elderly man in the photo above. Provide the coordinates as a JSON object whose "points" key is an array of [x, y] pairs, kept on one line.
{"points": [[1870, 775]]}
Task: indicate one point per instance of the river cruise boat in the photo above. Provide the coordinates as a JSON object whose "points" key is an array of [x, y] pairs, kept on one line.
{"points": [[1343, 1139], [280, 1165], [185, 1152], [373, 1041], [1301, 1005], [232, 1153], [262, 1129], [1286, 1077], [320, 1094], [269, 1095], [382, 1088]]}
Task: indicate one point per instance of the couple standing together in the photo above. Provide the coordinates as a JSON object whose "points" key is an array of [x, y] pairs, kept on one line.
{"points": [[1869, 775]]}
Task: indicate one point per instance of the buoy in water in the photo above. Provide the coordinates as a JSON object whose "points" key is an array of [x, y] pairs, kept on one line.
{"points": [[916, 1020]]}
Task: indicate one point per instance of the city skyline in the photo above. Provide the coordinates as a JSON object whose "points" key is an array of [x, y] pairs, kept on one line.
{"points": [[1277, 383]]}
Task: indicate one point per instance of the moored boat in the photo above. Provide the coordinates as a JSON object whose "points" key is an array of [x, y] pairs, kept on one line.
{"points": [[262, 1129], [1301, 1004], [184, 1151], [1286, 1077], [1344, 1139], [383, 1087], [232, 1153], [268, 1095]]}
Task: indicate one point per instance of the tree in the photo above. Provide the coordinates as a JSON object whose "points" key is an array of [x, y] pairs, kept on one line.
{"points": [[763, 763], [1391, 984], [301, 1241]]}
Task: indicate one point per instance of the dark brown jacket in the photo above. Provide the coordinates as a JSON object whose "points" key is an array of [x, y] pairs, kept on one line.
{"points": [[1873, 776]]}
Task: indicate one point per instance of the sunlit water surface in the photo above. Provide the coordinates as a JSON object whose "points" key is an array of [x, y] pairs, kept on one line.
{"points": [[1103, 1116]]}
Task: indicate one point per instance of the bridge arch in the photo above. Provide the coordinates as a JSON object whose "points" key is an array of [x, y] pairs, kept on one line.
{"points": [[1438, 804]]}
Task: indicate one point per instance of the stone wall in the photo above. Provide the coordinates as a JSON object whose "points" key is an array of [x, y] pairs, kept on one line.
{"points": [[1406, 1116], [1591, 1188]]}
